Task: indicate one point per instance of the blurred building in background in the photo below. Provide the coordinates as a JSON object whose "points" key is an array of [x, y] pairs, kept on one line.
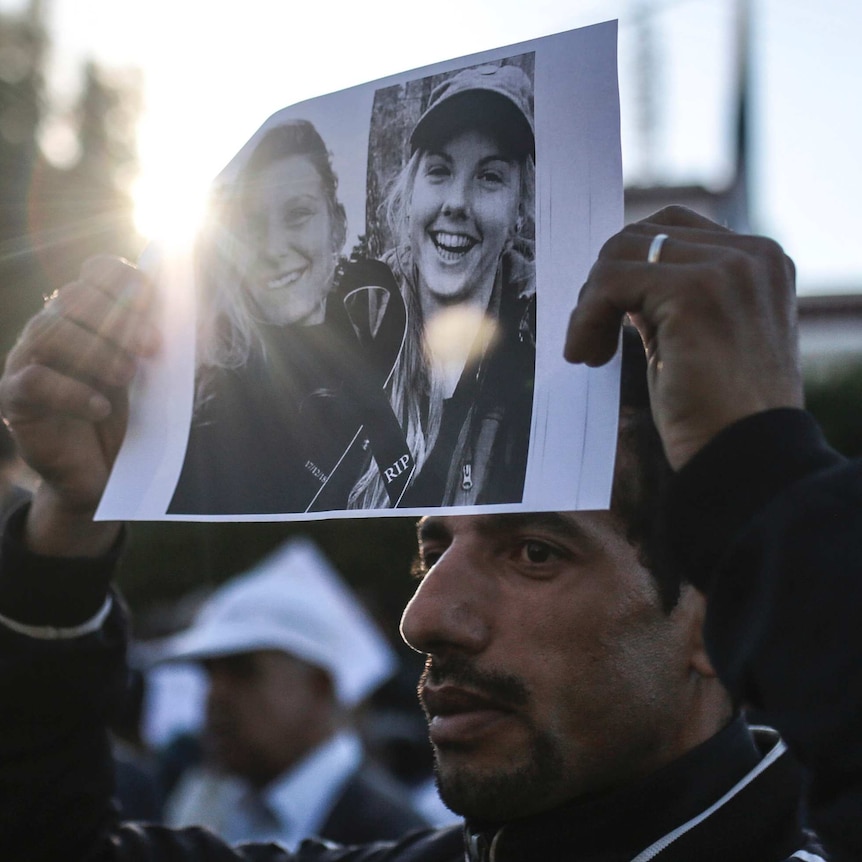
{"points": [[830, 324]]}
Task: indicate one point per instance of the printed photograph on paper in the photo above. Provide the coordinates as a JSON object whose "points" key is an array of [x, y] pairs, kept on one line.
{"points": [[371, 317]]}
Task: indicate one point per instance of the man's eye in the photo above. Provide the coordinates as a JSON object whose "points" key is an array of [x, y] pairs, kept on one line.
{"points": [[431, 559], [423, 563], [537, 552]]}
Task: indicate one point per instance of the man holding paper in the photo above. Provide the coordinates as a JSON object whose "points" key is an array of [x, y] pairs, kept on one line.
{"points": [[584, 669]]}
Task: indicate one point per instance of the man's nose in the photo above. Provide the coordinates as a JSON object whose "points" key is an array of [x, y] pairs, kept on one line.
{"points": [[451, 611], [220, 685]]}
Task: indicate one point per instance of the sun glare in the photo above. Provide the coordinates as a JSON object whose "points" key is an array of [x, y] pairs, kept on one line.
{"points": [[169, 208]]}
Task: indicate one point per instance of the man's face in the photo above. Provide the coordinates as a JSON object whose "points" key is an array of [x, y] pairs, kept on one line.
{"points": [[552, 671], [265, 710]]}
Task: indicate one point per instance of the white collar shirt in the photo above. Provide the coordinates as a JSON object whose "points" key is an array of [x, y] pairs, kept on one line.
{"points": [[289, 809], [302, 799]]}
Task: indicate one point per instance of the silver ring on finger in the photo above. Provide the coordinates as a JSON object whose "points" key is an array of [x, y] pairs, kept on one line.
{"points": [[654, 253]]}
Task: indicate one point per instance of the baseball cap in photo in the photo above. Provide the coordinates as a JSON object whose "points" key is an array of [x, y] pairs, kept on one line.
{"points": [[503, 92]]}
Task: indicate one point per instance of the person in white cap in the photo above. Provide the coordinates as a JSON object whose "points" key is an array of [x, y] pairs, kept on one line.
{"points": [[461, 214], [289, 653]]}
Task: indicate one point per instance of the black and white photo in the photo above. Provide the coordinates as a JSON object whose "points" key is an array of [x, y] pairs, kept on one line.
{"points": [[371, 317]]}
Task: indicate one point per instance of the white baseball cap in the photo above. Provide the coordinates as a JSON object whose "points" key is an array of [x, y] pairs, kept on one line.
{"points": [[293, 601]]}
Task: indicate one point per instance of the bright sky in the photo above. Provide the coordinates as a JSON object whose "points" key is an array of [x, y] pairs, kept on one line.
{"points": [[213, 72]]}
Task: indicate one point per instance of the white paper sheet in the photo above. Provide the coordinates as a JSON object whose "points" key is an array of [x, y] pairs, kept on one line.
{"points": [[579, 204]]}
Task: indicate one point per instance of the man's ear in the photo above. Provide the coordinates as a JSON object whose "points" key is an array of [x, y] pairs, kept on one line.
{"points": [[692, 607]]}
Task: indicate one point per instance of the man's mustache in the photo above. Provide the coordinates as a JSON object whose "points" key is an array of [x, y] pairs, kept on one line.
{"points": [[459, 671]]}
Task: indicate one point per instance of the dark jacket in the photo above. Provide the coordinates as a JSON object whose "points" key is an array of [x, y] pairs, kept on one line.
{"points": [[768, 519], [734, 797], [368, 804], [371, 806], [777, 528]]}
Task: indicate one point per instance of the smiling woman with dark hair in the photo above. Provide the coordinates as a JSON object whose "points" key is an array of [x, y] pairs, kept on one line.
{"points": [[294, 343], [461, 213]]}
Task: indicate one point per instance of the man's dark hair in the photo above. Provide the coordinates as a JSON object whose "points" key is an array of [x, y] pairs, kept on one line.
{"points": [[643, 473]]}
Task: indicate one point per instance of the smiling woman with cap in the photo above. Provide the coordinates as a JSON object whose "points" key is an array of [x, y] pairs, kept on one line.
{"points": [[461, 213]]}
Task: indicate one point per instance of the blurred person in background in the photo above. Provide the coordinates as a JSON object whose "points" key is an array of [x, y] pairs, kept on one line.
{"points": [[140, 792], [290, 656]]}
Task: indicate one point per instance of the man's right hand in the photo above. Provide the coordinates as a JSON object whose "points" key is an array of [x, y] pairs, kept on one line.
{"points": [[64, 395], [717, 314]]}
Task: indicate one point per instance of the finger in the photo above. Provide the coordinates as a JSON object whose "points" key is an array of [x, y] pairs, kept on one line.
{"points": [[593, 330], [757, 261], [114, 298], [685, 245], [715, 262], [651, 295], [119, 279], [677, 216], [37, 391], [126, 324], [693, 244], [94, 328], [61, 343], [622, 282]]}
